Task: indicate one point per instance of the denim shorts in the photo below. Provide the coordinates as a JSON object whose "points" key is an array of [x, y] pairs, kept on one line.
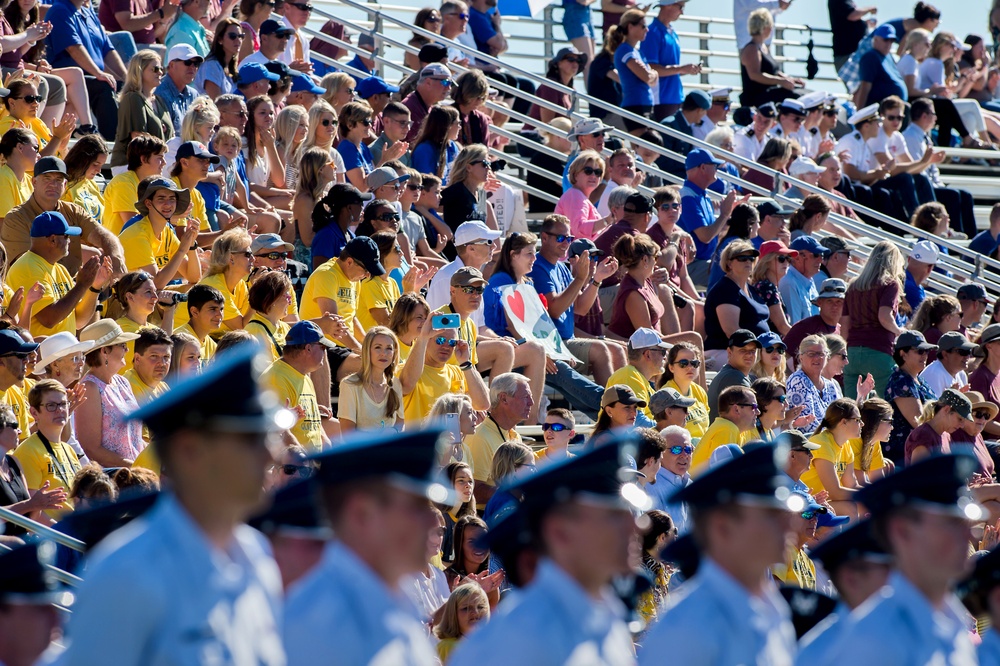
{"points": [[577, 21]]}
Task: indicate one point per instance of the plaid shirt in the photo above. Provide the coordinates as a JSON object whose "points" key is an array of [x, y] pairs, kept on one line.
{"points": [[850, 73]]}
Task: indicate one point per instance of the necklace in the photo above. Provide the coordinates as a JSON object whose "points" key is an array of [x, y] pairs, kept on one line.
{"points": [[377, 392]]}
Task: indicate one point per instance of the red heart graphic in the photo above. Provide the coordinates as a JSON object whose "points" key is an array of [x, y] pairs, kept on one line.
{"points": [[516, 302]]}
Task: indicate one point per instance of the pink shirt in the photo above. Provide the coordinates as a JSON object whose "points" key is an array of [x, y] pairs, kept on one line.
{"points": [[582, 214], [118, 435]]}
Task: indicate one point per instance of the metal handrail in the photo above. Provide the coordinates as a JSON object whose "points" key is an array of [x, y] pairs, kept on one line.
{"points": [[41, 530]]}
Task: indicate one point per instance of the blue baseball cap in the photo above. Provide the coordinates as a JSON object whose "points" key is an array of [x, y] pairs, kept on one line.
{"points": [[374, 85], [306, 332], [53, 224], [806, 243], [303, 83], [771, 339], [700, 156], [253, 72], [885, 31]]}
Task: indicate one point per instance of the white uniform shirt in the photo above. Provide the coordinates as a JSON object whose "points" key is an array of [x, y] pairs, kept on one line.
{"points": [[342, 613], [553, 623], [702, 129], [713, 621], [897, 626], [939, 379], [749, 146], [439, 290], [860, 154], [157, 593], [799, 135]]}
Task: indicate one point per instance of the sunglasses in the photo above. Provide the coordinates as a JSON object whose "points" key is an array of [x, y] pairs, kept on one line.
{"points": [[473, 290], [441, 341], [554, 427], [670, 206], [463, 16], [809, 515], [388, 217], [444, 82], [782, 399], [591, 171], [157, 69], [33, 99], [235, 35], [782, 259], [751, 405], [745, 258], [895, 119], [981, 414], [829, 112], [775, 348], [302, 5], [304, 471], [488, 241], [432, 19], [192, 62], [273, 256], [685, 362], [326, 122], [561, 238], [413, 187], [246, 253], [677, 450]]}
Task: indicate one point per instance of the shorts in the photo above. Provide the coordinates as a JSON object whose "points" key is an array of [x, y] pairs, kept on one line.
{"points": [[644, 110], [335, 357], [580, 348], [577, 21]]}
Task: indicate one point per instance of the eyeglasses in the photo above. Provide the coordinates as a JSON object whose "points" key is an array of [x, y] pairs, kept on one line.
{"points": [[981, 414], [301, 5], [808, 515], [677, 450], [745, 258], [855, 418], [398, 249], [670, 206], [685, 362], [843, 356], [473, 290], [722, 102], [894, 119], [56, 406], [350, 91], [560, 238], [960, 352], [797, 119], [782, 259], [444, 82], [922, 352], [432, 19], [246, 253], [13, 426], [157, 69], [817, 354], [751, 405], [401, 123], [388, 217], [554, 427], [30, 99], [235, 35], [591, 171], [441, 341], [326, 122], [273, 256], [683, 409], [830, 112], [305, 471], [464, 16], [775, 348], [192, 62]]}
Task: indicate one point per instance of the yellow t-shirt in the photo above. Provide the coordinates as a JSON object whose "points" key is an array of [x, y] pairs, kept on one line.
{"points": [[86, 194], [375, 293], [260, 328], [878, 460], [483, 445], [632, 378], [721, 432], [16, 397], [297, 390], [119, 197], [56, 283], [148, 459], [39, 466], [128, 326], [330, 281], [445, 647], [433, 383], [143, 248], [697, 418], [357, 406], [208, 345], [199, 211], [36, 125], [842, 458], [13, 192], [237, 301], [798, 570], [144, 392]]}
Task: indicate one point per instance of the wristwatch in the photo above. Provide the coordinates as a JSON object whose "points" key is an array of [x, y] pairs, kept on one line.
{"points": [[465, 366]]}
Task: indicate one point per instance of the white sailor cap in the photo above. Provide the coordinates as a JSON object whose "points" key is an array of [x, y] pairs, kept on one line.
{"points": [[816, 99], [791, 106], [720, 93], [867, 113]]}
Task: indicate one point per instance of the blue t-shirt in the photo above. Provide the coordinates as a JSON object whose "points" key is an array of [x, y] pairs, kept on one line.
{"points": [[881, 72], [493, 312], [634, 91], [556, 279], [661, 47], [357, 64], [329, 241], [984, 243], [72, 26], [697, 212], [482, 29], [913, 292], [355, 157], [425, 158]]}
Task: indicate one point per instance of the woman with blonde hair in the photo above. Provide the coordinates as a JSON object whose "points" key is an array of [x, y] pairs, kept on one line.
{"points": [[771, 360], [774, 260], [339, 90], [832, 468], [322, 132], [467, 606], [137, 109], [290, 128], [508, 459], [460, 406], [869, 320], [228, 269], [372, 398], [763, 80], [939, 69], [199, 124], [585, 174]]}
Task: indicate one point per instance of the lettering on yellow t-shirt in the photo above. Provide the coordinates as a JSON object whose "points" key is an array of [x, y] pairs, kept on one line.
{"points": [[56, 283], [297, 390], [329, 281]]}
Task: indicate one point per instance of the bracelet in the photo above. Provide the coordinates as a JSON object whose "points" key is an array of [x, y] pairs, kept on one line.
{"points": [[193, 247], [96, 291], [465, 366], [596, 283]]}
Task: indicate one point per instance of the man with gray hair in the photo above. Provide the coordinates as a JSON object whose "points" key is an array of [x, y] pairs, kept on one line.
{"points": [[510, 404], [621, 172], [673, 475]]}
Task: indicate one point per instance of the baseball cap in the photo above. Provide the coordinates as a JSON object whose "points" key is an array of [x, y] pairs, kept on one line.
{"points": [[52, 224], [885, 31], [306, 333], [925, 252], [50, 165], [196, 149], [958, 402], [832, 288], [771, 207], [797, 441], [666, 398], [646, 338], [253, 72], [803, 166], [374, 85], [12, 343], [700, 156], [771, 339], [383, 176], [183, 52], [432, 53], [619, 393], [345, 194], [303, 83], [269, 243], [741, 338], [467, 276], [472, 231], [272, 27], [279, 68], [913, 339], [953, 340], [589, 126], [699, 97], [776, 246], [581, 245], [806, 243], [835, 244], [972, 292], [435, 70], [638, 203], [364, 250]]}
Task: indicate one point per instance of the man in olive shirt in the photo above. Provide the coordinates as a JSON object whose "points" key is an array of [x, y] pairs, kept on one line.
{"points": [[49, 184]]}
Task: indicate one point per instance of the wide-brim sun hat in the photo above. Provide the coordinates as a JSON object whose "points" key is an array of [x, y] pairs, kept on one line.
{"points": [[57, 346], [104, 333]]}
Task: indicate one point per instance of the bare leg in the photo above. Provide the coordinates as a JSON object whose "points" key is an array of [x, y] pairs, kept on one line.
{"points": [[495, 356], [52, 114], [669, 323], [76, 93], [601, 366], [531, 357], [586, 46]]}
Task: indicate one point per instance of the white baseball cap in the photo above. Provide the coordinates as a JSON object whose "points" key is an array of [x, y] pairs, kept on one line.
{"points": [[182, 52], [925, 252], [646, 338], [804, 165], [472, 231]]}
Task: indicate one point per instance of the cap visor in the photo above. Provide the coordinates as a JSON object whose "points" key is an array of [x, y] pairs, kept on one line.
{"points": [[74, 231], [325, 342], [926, 346], [432, 490]]}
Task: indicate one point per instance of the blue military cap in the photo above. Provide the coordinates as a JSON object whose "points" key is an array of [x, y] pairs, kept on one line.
{"points": [[93, 525], [975, 588], [938, 483], [754, 478], [699, 98], [293, 511], [683, 552], [808, 607], [857, 542], [26, 579], [407, 460], [602, 475], [225, 398]]}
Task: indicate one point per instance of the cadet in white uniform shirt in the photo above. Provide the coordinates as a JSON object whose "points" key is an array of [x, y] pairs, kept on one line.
{"points": [[980, 592], [750, 141], [791, 116], [189, 583], [924, 514], [350, 609], [717, 114], [730, 612], [568, 614]]}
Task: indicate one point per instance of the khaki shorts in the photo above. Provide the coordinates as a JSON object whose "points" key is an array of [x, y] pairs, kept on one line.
{"points": [[580, 347]]}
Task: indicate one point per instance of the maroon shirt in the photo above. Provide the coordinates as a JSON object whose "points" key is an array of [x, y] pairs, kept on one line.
{"points": [[606, 241], [925, 435], [418, 111], [960, 437], [108, 8], [803, 329], [862, 307], [621, 324], [985, 382], [549, 95]]}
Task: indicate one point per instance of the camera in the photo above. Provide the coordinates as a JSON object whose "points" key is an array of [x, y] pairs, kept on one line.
{"points": [[175, 298], [498, 165]]}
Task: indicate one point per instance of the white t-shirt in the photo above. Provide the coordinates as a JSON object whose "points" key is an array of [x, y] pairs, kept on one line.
{"points": [[907, 65], [938, 378], [931, 73], [893, 146]]}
